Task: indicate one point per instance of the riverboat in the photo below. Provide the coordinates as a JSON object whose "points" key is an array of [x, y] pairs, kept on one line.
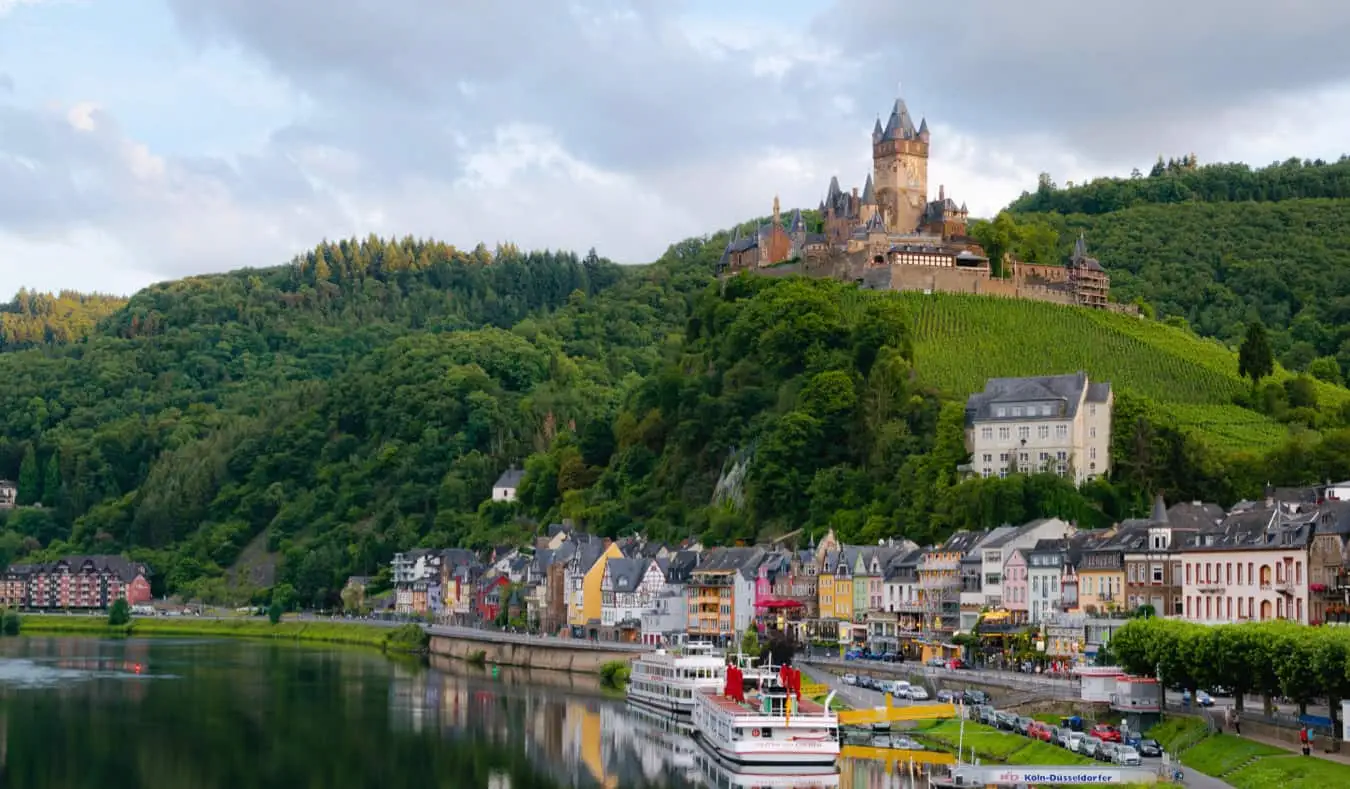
{"points": [[717, 775], [669, 682], [759, 720]]}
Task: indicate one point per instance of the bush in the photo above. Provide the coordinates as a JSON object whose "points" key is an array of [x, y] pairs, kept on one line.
{"points": [[477, 657], [120, 613], [274, 612], [10, 623], [408, 638], [615, 673]]}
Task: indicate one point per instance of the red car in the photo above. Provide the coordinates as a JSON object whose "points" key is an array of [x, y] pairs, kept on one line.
{"points": [[1039, 731], [1106, 732]]}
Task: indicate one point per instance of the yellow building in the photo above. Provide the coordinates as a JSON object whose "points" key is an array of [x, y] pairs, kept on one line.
{"points": [[825, 589], [585, 607], [1101, 573]]}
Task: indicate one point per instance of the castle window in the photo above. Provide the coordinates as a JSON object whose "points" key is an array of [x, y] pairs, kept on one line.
{"points": [[1061, 431], [1024, 433], [987, 433], [1004, 434], [1043, 431]]}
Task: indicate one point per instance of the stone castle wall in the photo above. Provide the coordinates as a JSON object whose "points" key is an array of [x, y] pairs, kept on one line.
{"points": [[933, 279]]}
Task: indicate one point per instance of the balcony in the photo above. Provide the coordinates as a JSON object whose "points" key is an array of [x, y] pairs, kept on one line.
{"points": [[939, 565], [941, 582], [1283, 586], [1210, 586]]}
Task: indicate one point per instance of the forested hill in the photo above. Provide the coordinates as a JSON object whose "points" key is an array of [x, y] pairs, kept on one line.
{"points": [[1220, 246], [31, 319], [317, 417]]}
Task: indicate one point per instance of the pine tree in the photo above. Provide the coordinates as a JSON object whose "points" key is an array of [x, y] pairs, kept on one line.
{"points": [[51, 481], [1255, 360], [28, 477]]}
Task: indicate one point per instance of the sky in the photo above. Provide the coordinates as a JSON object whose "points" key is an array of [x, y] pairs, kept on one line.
{"points": [[145, 140]]}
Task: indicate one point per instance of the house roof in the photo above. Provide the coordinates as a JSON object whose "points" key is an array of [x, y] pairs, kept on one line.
{"points": [[1063, 390], [510, 478], [961, 542], [121, 567], [625, 575]]}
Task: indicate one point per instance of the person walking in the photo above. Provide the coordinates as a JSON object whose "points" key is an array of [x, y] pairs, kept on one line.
{"points": [[1307, 751], [1237, 723], [1303, 739]]}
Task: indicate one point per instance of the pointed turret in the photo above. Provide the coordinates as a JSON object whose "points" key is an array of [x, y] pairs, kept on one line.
{"points": [[797, 225], [731, 243], [900, 126], [1080, 247], [964, 210], [1159, 510], [923, 130], [877, 131], [876, 224], [834, 191], [869, 192]]}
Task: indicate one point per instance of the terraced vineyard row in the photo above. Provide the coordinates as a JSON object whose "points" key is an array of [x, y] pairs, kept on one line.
{"points": [[961, 340]]}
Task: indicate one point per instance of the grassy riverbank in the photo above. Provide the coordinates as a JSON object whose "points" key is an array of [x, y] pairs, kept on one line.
{"points": [[1245, 763], [408, 638]]}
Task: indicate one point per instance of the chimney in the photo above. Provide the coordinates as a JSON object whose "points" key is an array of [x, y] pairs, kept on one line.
{"points": [[855, 193], [942, 192]]}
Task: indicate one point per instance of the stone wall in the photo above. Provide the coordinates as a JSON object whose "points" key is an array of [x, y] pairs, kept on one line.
{"points": [[552, 655]]}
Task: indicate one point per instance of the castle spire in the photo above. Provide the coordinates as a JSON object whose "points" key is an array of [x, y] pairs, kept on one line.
{"points": [[869, 192], [923, 129], [1080, 247], [877, 131], [776, 219]]}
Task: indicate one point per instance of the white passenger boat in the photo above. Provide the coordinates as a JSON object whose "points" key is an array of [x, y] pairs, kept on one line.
{"points": [[759, 720], [670, 681]]}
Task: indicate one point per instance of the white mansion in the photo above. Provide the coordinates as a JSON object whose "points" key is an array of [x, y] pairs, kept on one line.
{"points": [[1060, 423]]}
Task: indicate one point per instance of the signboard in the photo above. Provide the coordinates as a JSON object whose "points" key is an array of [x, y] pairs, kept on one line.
{"points": [[1052, 775]]}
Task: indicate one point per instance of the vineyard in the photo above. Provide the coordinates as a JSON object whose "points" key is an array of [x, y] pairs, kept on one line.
{"points": [[960, 340]]}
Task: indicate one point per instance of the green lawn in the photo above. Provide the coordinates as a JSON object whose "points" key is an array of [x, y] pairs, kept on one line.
{"points": [[1274, 768], [330, 632], [994, 745]]}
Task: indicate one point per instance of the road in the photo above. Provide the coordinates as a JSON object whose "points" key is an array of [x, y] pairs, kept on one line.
{"points": [[1055, 686]]}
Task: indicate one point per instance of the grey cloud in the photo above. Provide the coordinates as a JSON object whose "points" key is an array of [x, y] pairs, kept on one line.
{"points": [[618, 80], [1104, 75]]}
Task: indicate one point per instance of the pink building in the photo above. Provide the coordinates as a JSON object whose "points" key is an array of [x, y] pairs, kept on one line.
{"points": [[1016, 587], [1254, 567], [76, 583]]}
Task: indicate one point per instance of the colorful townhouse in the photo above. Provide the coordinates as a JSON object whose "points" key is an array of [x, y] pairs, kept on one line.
{"points": [[721, 594]]}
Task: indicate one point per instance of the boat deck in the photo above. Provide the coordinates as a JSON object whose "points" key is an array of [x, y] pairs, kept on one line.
{"points": [[804, 707]]}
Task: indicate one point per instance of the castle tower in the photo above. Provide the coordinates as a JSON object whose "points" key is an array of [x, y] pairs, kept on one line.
{"points": [[900, 170]]}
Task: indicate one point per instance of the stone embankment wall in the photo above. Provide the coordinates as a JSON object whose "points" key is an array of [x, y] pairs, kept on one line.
{"points": [[506, 649]]}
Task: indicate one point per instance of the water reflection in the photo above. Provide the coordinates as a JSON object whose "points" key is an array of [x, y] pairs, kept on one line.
{"points": [[135, 714]]}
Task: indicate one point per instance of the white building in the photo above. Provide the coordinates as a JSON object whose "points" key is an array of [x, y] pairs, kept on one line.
{"points": [[1045, 568], [628, 588], [1060, 423], [993, 552], [504, 489]]}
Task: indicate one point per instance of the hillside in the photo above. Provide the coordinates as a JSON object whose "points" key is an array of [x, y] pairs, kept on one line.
{"points": [[1222, 245], [316, 417], [32, 319], [962, 340]]}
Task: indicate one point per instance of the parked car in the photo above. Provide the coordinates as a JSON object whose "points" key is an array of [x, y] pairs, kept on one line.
{"points": [[1006, 721], [956, 664], [1126, 756], [1038, 731], [1107, 750], [1204, 699], [1150, 748], [973, 697], [850, 679], [916, 693], [945, 695], [937, 662], [1089, 746], [1106, 732], [1072, 740], [1054, 732], [985, 713], [1022, 724]]}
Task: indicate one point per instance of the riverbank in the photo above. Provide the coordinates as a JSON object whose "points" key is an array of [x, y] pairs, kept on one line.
{"points": [[1246, 762], [408, 638]]}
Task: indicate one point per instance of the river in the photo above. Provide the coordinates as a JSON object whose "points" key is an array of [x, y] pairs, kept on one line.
{"points": [[208, 714]]}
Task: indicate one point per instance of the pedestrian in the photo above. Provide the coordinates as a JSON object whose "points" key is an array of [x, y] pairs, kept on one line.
{"points": [[1308, 751], [1303, 739], [1237, 723]]}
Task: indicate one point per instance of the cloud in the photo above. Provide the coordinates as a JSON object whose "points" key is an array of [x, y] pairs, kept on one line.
{"points": [[1108, 78], [620, 124]]}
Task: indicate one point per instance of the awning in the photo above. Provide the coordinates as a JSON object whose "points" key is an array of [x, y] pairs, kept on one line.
{"points": [[778, 603]]}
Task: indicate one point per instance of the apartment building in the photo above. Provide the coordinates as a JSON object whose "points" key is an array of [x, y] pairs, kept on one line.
{"points": [[1059, 423], [1252, 567]]}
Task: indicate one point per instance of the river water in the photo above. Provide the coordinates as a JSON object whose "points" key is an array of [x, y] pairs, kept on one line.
{"points": [[202, 714]]}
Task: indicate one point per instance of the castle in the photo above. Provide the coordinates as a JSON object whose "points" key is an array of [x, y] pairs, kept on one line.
{"points": [[892, 237]]}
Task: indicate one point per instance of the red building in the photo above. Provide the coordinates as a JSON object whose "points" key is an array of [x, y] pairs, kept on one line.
{"points": [[75, 582], [491, 594]]}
